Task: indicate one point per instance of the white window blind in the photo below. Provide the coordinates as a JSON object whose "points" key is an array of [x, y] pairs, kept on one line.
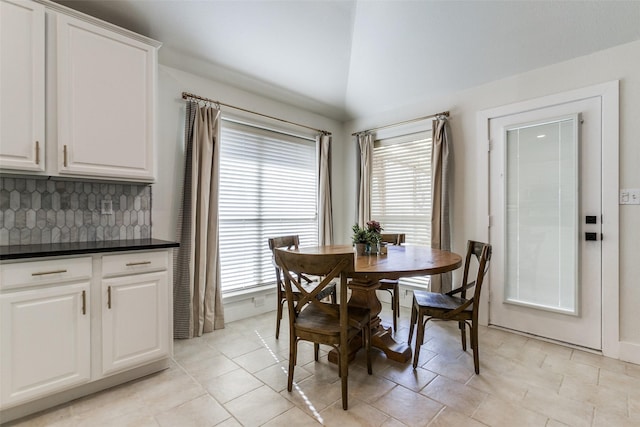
{"points": [[401, 188], [267, 188]]}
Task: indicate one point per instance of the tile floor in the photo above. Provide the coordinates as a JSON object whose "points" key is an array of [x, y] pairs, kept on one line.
{"points": [[236, 377]]}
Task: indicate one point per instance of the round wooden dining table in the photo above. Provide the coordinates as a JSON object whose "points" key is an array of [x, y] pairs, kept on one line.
{"points": [[399, 262]]}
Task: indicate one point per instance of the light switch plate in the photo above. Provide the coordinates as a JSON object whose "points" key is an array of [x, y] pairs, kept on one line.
{"points": [[630, 196]]}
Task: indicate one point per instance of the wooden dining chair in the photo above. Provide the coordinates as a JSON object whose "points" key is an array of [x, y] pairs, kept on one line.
{"points": [[392, 285], [292, 242], [453, 305], [336, 325]]}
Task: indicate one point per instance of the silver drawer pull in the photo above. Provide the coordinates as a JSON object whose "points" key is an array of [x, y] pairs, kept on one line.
{"points": [[131, 264], [43, 273]]}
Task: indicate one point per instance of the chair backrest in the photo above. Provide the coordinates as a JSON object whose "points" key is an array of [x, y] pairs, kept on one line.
{"points": [[288, 242], [393, 238], [328, 266], [482, 253]]}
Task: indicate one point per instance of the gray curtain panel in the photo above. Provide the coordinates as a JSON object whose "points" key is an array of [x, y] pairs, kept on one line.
{"points": [[197, 295], [325, 221], [440, 215], [365, 143]]}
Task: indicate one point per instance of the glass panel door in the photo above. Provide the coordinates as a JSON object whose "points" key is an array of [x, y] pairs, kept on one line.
{"points": [[542, 215]]}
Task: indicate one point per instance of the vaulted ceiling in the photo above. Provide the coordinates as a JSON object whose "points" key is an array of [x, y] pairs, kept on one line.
{"points": [[354, 58]]}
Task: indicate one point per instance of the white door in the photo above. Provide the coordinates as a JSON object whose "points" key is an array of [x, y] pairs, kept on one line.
{"points": [[546, 215], [44, 341], [22, 82], [134, 321]]}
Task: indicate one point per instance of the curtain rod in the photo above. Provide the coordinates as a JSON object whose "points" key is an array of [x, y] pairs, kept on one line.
{"points": [[187, 95], [444, 113]]}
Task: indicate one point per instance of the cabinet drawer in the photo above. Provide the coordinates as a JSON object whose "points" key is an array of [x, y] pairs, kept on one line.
{"points": [[134, 262], [36, 273]]}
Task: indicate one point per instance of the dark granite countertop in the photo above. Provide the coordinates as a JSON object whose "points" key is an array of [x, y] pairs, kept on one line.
{"points": [[80, 248]]}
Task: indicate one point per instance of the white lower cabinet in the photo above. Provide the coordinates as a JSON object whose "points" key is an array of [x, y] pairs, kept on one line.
{"points": [[45, 341], [134, 320], [69, 324]]}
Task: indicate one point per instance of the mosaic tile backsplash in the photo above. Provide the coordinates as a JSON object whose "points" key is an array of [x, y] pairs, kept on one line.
{"points": [[58, 211]]}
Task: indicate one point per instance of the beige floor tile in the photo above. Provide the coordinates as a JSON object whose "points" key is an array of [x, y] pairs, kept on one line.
{"points": [[497, 412], [405, 375], [358, 414], [276, 376], [450, 418], [558, 407], [606, 419], [582, 372], [598, 361], [392, 422], [501, 386], [206, 369], [258, 406], [229, 422], [620, 381], [293, 417], [108, 404], [202, 411], [314, 394], [59, 416], [257, 360], [365, 387], [231, 385], [408, 407], [634, 408], [600, 396], [126, 420], [455, 369], [633, 370], [460, 397]]}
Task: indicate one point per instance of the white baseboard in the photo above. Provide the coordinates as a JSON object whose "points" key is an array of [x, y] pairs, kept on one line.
{"points": [[630, 352]]}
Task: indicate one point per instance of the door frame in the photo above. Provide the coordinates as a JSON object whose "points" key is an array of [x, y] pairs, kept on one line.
{"points": [[609, 94]]}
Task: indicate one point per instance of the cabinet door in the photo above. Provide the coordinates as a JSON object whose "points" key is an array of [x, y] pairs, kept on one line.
{"points": [[134, 320], [106, 90], [22, 85], [44, 341]]}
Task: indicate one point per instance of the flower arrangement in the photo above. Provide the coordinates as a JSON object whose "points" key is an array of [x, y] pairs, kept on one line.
{"points": [[369, 235]]}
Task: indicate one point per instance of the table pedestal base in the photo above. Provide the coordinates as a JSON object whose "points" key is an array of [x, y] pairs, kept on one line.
{"points": [[363, 294]]}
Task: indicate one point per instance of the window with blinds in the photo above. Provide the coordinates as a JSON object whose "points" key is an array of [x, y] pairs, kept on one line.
{"points": [[401, 189], [267, 188]]}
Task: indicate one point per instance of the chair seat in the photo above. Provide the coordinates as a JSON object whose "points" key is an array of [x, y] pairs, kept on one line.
{"points": [[313, 319], [388, 284], [438, 301]]}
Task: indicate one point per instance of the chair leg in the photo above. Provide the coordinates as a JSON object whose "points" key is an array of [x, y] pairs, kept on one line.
{"points": [[414, 318], [395, 303], [333, 297], [344, 372], [474, 346], [293, 355], [462, 326], [367, 346], [419, 340], [316, 351], [278, 319]]}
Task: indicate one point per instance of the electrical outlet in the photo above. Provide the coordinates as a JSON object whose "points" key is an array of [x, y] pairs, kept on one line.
{"points": [[630, 196], [258, 301], [106, 207]]}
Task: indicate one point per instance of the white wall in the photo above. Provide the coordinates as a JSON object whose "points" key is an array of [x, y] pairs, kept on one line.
{"points": [[619, 63]]}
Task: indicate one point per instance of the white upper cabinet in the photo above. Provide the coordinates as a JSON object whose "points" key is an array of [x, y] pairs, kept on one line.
{"points": [[95, 82], [106, 98], [22, 84]]}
